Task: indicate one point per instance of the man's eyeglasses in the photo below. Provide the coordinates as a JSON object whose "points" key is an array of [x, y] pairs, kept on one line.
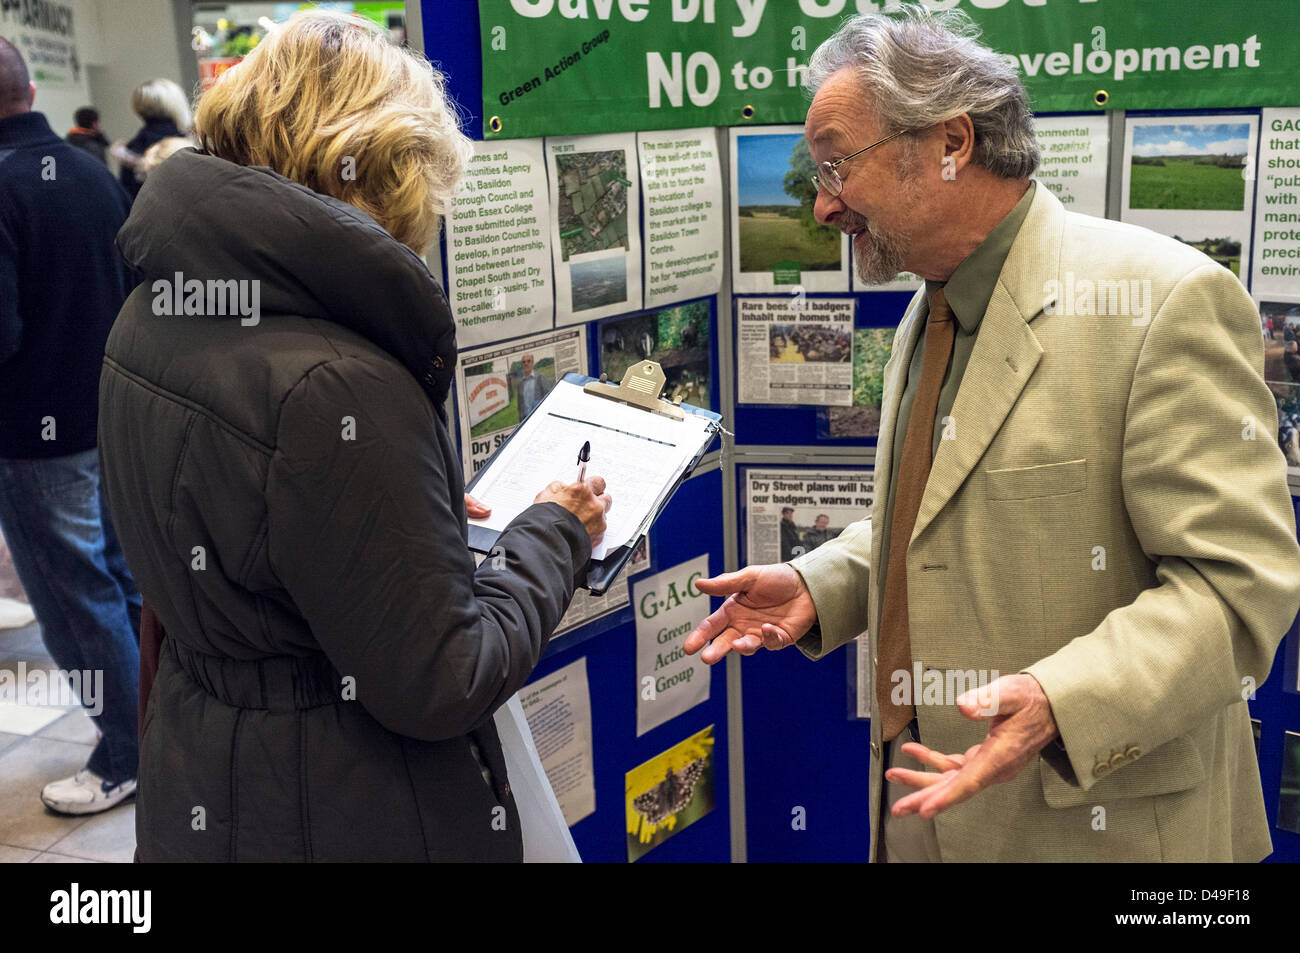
{"points": [[828, 176]]}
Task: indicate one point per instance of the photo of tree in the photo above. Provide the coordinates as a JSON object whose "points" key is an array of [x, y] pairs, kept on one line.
{"points": [[775, 206], [1226, 251], [871, 350]]}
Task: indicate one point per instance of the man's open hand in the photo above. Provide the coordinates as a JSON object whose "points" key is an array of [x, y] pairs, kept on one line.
{"points": [[767, 607], [1020, 724]]}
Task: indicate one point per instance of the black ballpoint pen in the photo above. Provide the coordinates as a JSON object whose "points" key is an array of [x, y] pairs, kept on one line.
{"points": [[583, 456]]}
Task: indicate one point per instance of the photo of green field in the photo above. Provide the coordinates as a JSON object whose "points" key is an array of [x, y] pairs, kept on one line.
{"points": [[775, 206], [768, 236], [1187, 183], [1189, 167]]}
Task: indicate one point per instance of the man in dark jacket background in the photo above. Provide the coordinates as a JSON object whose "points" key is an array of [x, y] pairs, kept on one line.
{"points": [[62, 282]]}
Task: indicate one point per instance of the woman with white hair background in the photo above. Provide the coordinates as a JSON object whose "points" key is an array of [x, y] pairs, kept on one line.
{"points": [[165, 109]]}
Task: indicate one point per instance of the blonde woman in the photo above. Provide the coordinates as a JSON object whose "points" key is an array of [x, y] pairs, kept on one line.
{"points": [[166, 113], [288, 492]]}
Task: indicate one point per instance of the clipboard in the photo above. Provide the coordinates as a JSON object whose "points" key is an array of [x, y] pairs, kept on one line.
{"points": [[642, 387]]}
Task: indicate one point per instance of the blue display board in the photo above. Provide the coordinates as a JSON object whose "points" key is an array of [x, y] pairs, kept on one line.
{"points": [[804, 757], [1276, 706], [688, 528]]}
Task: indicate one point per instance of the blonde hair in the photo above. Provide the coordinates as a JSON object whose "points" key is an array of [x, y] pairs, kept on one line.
{"points": [[162, 99], [330, 102], [160, 152]]}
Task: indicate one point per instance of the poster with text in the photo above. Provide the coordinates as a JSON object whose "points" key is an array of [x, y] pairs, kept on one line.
{"points": [[499, 245], [558, 709], [1279, 319], [1288, 801], [792, 512], [681, 179], [1277, 207], [564, 67], [1075, 151], [871, 350], [45, 35], [677, 338], [668, 607], [1292, 640], [496, 387], [794, 350], [669, 793], [595, 226], [776, 243], [863, 688], [1191, 177]]}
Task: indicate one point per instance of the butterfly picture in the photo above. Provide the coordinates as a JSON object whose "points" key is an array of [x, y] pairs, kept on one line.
{"points": [[671, 794]]}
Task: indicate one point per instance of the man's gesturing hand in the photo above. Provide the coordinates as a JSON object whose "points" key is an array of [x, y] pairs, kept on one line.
{"points": [[1021, 723], [767, 607]]}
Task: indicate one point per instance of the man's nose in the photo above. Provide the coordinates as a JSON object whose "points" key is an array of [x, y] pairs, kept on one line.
{"points": [[827, 207]]}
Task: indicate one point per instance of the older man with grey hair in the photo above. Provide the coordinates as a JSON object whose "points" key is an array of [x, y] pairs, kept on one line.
{"points": [[1067, 600]]}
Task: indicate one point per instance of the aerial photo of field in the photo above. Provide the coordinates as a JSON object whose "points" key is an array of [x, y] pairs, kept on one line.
{"points": [[598, 282], [1179, 166], [593, 201], [775, 203]]}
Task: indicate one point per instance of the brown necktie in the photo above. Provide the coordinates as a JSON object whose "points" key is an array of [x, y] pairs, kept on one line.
{"points": [[895, 644]]}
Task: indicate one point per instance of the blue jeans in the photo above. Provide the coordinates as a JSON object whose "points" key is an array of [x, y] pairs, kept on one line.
{"points": [[55, 520]]}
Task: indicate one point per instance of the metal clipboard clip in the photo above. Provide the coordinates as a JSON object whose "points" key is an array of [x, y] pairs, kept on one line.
{"points": [[643, 382]]}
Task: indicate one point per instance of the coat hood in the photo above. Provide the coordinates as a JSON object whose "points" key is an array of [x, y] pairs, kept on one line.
{"points": [[312, 255]]}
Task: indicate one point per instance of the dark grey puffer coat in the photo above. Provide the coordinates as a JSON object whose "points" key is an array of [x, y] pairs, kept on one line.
{"points": [[291, 504]]}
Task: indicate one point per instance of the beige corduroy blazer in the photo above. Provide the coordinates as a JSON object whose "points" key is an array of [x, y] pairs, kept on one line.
{"points": [[1110, 515]]}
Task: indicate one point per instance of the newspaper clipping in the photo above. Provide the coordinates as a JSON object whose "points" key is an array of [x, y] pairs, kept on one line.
{"points": [[497, 387], [792, 512], [795, 350], [587, 607]]}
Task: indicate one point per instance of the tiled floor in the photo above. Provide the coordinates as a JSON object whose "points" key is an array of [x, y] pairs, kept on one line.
{"points": [[39, 745]]}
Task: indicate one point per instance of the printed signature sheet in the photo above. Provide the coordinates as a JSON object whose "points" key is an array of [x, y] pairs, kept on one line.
{"points": [[640, 455]]}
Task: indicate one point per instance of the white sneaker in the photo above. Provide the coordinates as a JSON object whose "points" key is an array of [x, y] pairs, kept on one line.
{"points": [[85, 793], [15, 614]]}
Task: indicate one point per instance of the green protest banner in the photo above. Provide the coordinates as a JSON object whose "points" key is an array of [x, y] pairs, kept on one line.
{"points": [[568, 67]]}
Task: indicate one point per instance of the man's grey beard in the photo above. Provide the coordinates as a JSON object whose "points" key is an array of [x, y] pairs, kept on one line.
{"points": [[882, 258]]}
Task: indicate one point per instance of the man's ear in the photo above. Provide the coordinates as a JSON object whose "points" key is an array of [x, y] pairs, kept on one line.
{"points": [[31, 94], [958, 142]]}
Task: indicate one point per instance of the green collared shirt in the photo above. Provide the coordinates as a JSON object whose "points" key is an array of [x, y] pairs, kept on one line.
{"points": [[968, 291]]}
